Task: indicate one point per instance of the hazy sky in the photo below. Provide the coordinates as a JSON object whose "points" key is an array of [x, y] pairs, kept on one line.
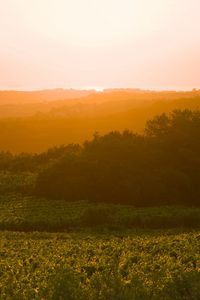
{"points": [[151, 44]]}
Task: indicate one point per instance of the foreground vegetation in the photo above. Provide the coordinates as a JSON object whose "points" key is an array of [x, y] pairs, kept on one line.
{"points": [[84, 266]]}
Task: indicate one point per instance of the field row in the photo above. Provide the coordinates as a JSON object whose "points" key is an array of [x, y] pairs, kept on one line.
{"points": [[36, 214]]}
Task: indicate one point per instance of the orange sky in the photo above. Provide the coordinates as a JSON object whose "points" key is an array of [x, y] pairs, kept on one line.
{"points": [[99, 43]]}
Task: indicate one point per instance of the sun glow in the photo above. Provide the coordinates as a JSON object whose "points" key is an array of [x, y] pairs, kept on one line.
{"points": [[96, 88], [122, 43], [93, 23]]}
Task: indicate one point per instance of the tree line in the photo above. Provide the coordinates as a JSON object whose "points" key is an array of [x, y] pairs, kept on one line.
{"points": [[159, 167]]}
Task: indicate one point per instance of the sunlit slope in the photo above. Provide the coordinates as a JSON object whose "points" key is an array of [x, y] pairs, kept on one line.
{"points": [[68, 103], [75, 103], [39, 132], [22, 97]]}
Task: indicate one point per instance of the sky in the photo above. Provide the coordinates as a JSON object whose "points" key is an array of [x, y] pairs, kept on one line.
{"points": [[100, 44]]}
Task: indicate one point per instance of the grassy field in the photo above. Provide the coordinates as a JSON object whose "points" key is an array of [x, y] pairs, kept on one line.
{"points": [[24, 213], [156, 265]]}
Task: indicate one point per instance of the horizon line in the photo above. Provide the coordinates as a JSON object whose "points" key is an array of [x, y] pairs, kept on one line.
{"points": [[98, 89]]}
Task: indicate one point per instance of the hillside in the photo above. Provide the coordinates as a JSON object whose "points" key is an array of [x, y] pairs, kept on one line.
{"points": [[71, 103], [22, 97], [75, 120]]}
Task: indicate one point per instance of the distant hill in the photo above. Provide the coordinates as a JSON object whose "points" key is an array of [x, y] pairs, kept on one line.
{"points": [[73, 103], [74, 121], [22, 97]]}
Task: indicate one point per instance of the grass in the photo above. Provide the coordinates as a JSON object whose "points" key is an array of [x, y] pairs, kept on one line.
{"points": [[25, 213]]}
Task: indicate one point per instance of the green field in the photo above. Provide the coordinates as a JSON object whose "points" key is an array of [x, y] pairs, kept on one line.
{"points": [[25, 213], [154, 265], [97, 251], [59, 250]]}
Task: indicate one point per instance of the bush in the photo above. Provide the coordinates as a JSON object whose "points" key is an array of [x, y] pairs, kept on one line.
{"points": [[63, 285]]}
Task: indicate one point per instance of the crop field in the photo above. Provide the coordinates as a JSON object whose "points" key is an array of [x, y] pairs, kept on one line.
{"points": [[25, 213], [58, 250], [154, 265]]}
